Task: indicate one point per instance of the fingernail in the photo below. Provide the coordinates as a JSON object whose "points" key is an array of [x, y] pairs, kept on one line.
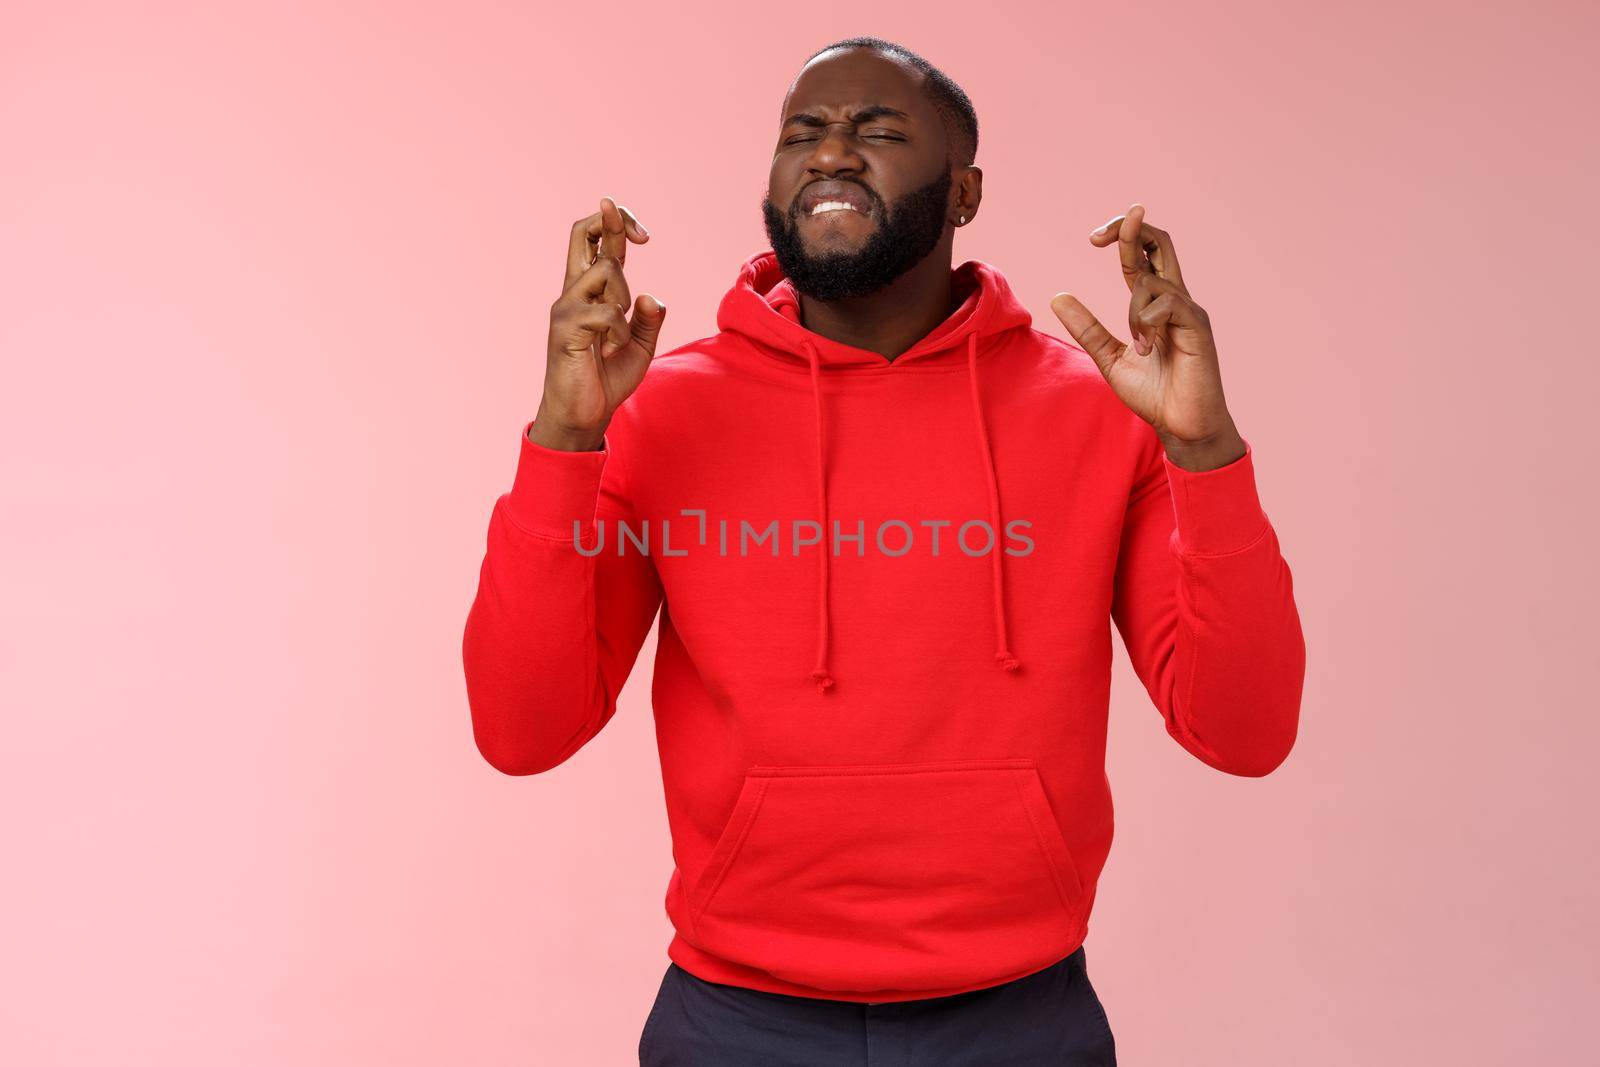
{"points": [[642, 229]]}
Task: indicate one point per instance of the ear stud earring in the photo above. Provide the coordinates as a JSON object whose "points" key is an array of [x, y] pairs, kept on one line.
{"points": [[962, 220]]}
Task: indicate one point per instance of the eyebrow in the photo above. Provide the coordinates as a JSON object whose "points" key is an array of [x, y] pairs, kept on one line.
{"points": [[866, 114]]}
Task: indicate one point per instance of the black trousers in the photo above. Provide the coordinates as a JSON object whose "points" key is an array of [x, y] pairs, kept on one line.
{"points": [[1051, 1017]]}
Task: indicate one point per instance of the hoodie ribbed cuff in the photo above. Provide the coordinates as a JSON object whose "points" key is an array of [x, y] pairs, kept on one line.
{"points": [[553, 488], [1217, 511]]}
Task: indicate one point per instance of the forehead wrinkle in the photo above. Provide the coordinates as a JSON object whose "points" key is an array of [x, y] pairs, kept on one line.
{"points": [[862, 113]]}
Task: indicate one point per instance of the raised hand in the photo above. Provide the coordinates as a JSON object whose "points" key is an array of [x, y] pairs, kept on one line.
{"points": [[1169, 376], [597, 355]]}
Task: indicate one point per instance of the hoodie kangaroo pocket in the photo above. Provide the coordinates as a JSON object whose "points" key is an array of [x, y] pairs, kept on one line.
{"points": [[902, 877]]}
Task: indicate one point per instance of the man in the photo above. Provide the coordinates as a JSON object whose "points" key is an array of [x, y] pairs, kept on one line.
{"points": [[886, 523]]}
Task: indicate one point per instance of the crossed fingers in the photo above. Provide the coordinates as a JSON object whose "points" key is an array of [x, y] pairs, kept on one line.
{"points": [[1143, 248], [605, 233]]}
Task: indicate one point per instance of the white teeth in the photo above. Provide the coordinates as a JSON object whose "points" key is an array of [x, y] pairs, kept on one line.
{"points": [[831, 205]]}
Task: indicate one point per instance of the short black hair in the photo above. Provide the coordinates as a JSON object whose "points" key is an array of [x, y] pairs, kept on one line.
{"points": [[951, 101]]}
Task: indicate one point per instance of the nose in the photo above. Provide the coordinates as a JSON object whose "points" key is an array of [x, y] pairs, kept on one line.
{"points": [[835, 152]]}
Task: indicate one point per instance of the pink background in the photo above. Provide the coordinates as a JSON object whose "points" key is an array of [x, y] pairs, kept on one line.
{"points": [[272, 291]]}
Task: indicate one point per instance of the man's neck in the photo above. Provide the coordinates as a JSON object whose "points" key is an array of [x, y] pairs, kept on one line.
{"points": [[895, 317]]}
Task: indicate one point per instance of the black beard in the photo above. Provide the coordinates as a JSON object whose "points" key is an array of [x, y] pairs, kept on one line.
{"points": [[909, 231]]}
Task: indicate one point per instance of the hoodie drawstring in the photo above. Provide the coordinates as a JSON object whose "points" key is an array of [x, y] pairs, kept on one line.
{"points": [[821, 674], [1002, 653]]}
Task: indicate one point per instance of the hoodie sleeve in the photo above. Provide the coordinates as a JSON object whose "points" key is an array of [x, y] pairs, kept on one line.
{"points": [[553, 632], [1205, 605]]}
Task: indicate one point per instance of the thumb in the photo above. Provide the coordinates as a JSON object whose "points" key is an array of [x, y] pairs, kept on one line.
{"points": [[1085, 329], [649, 314]]}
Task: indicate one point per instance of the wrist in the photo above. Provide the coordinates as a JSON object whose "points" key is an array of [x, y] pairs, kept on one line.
{"points": [[548, 431], [1218, 450]]}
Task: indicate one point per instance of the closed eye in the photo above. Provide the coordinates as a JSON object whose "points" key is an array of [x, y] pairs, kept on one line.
{"points": [[877, 136]]}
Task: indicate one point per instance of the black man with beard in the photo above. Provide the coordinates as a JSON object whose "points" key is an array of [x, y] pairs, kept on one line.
{"points": [[887, 526]]}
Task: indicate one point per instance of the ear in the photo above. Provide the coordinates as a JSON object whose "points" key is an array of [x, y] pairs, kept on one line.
{"points": [[968, 194]]}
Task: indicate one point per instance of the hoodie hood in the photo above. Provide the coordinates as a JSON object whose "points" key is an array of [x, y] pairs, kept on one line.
{"points": [[764, 307]]}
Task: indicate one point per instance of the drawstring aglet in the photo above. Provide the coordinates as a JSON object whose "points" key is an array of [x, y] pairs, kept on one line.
{"points": [[823, 679], [1006, 660]]}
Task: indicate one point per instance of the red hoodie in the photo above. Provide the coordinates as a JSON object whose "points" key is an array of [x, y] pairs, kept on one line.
{"points": [[884, 766]]}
